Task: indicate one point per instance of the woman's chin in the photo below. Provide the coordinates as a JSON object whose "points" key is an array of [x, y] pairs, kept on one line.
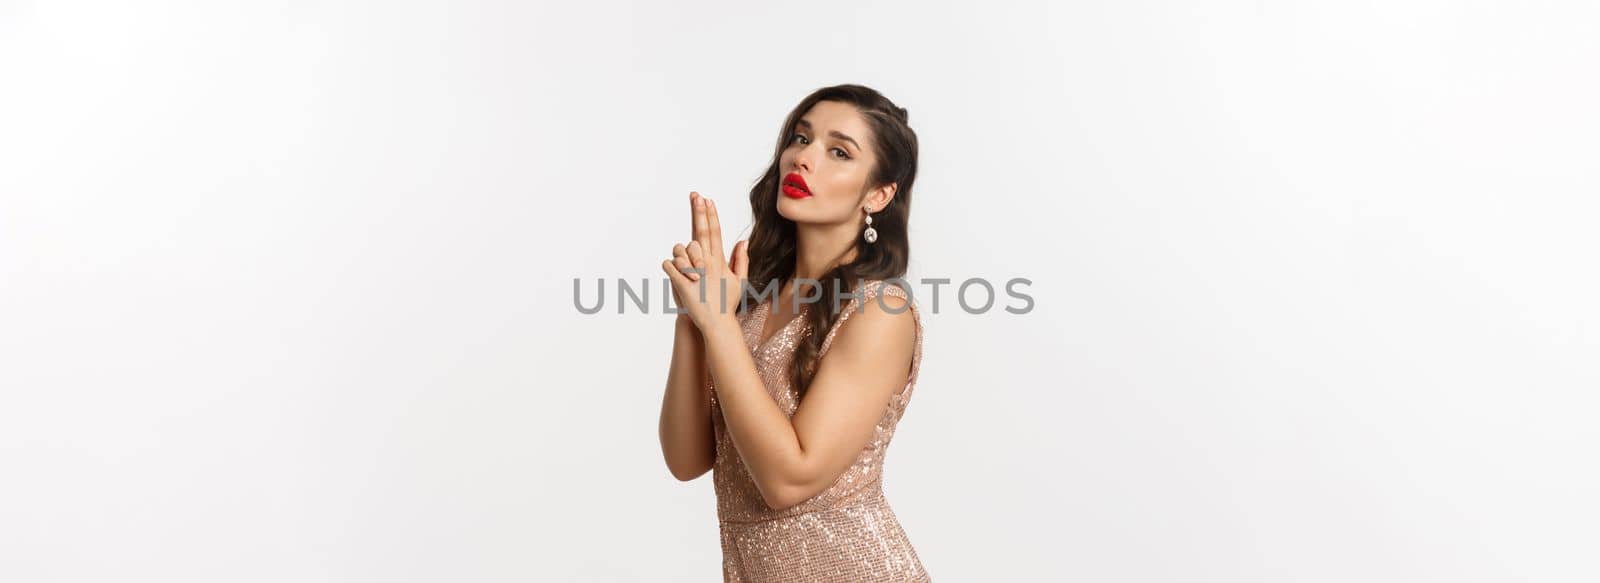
{"points": [[792, 209]]}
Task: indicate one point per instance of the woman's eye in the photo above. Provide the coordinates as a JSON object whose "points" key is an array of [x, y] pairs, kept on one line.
{"points": [[841, 153]]}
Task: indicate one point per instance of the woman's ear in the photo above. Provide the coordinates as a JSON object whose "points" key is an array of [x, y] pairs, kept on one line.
{"points": [[880, 197]]}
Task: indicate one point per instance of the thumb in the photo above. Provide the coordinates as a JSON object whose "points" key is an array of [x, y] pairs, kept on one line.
{"points": [[741, 259]]}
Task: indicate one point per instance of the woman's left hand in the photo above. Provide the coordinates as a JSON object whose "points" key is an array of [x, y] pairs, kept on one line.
{"points": [[712, 299]]}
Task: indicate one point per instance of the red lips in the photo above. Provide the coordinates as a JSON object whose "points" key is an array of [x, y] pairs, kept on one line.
{"points": [[794, 186]]}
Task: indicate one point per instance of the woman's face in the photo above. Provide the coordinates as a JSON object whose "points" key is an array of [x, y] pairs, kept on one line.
{"points": [[827, 149]]}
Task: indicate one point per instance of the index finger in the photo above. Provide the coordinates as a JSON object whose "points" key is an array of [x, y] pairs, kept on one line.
{"points": [[694, 230], [700, 224], [714, 224]]}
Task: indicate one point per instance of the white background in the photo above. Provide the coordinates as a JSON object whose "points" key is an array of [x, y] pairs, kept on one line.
{"points": [[286, 287]]}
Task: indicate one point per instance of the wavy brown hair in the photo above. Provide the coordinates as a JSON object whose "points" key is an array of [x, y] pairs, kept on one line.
{"points": [[773, 244]]}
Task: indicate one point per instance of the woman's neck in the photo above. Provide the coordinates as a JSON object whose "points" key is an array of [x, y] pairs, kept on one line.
{"points": [[821, 248]]}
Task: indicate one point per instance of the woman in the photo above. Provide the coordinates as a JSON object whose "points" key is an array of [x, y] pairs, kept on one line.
{"points": [[793, 422]]}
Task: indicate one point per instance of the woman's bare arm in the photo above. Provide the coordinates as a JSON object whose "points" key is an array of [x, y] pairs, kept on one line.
{"points": [[793, 459], [686, 439]]}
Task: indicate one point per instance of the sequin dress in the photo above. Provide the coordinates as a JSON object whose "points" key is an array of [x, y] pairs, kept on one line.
{"points": [[847, 532]]}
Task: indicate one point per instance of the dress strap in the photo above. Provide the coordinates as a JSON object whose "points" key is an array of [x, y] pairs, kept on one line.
{"points": [[870, 291]]}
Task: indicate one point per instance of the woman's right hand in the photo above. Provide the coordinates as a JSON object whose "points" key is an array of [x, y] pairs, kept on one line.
{"points": [[680, 253], [680, 259], [738, 261]]}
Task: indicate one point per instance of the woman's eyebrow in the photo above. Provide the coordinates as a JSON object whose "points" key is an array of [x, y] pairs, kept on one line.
{"points": [[835, 133]]}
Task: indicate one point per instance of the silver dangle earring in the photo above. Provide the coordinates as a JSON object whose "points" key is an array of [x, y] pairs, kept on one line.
{"points": [[871, 234]]}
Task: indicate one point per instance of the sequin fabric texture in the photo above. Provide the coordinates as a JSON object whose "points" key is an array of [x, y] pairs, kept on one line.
{"points": [[844, 533]]}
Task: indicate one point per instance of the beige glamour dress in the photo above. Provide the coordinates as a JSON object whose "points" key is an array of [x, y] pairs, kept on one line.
{"points": [[844, 533]]}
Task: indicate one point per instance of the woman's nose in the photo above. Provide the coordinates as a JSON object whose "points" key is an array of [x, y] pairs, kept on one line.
{"points": [[802, 160]]}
